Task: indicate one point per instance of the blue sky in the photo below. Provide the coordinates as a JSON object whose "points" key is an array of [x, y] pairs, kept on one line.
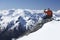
{"points": [[30, 4]]}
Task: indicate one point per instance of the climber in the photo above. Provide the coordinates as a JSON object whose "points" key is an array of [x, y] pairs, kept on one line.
{"points": [[48, 13]]}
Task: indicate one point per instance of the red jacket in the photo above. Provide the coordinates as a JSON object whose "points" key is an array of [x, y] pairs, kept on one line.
{"points": [[48, 12]]}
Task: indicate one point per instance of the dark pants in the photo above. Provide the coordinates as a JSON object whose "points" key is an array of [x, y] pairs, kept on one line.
{"points": [[47, 17]]}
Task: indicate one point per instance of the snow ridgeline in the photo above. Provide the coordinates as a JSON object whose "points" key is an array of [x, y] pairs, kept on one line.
{"points": [[19, 22]]}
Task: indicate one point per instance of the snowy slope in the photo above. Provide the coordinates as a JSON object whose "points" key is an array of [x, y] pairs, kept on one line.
{"points": [[50, 31]]}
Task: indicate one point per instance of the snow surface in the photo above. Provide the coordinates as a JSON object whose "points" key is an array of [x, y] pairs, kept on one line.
{"points": [[50, 31]]}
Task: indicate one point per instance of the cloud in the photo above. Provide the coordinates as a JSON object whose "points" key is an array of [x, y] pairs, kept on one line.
{"points": [[4, 12], [58, 11]]}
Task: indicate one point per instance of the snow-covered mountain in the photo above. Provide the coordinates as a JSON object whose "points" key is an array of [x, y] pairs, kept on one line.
{"points": [[15, 23]]}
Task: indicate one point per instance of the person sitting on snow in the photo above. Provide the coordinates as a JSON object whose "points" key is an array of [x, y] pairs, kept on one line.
{"points": [[48, 13]]}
